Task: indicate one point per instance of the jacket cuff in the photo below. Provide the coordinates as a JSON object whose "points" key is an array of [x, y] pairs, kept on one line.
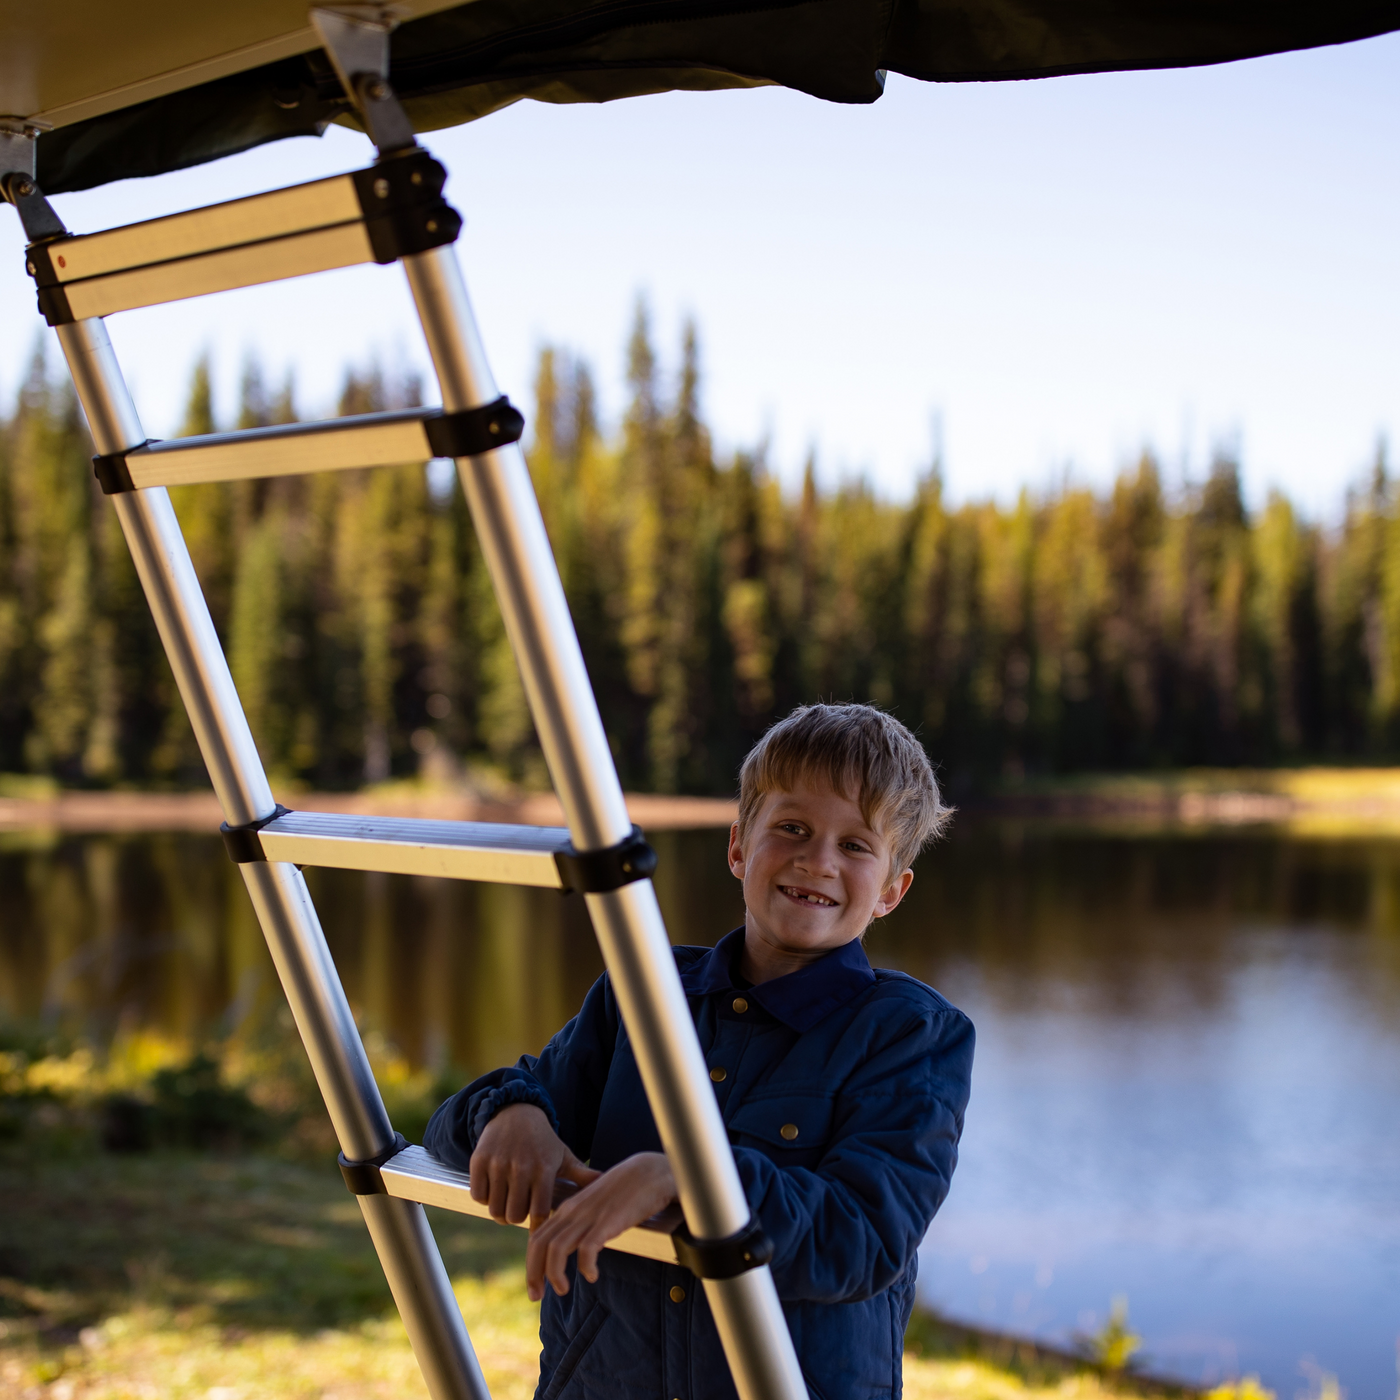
{"points": [[513, 1091]]}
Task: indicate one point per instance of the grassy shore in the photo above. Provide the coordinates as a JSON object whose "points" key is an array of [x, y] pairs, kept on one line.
{"points": [[169, 1274], [29, 803], [172, 1226], [1312, 801]]}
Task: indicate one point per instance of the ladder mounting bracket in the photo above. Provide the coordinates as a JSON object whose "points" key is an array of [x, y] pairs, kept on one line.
{"points": [[35, 212], [472, 431], [356, 40], [597, 872], [17, 154], [363, 1178], [243, 843], [112, 473], [726, 1258]]}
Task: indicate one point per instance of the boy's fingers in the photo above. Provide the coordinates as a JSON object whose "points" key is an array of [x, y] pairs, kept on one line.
{"points": [[534, 1253], [574, 1170], [541, 1199], [558, 1239], [517, 1199], [499, 1190], [534, 1274], [537, 1254], [583, 1224], [557, 1255], [588, 1260], [481, 1179]]}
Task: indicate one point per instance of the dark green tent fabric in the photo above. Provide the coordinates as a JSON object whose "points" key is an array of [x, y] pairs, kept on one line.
{"points": [[462, 63]]}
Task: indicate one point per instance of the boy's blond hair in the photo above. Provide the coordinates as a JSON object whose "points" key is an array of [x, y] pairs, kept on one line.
{"points": [[865, 755]]}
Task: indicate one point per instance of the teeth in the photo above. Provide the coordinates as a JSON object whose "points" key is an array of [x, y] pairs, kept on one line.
{"points": [[809, 898]]}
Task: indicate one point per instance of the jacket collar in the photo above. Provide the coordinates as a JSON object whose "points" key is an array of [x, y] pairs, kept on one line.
{"points": [[798, 999]]}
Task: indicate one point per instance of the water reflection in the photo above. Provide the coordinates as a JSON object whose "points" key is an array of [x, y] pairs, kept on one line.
{"points": [[109, 933], [1187, 1075]]}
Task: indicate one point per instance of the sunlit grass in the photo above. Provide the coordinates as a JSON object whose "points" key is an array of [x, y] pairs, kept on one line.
{"points": [[226, 1278], [234, 1274], [150, 1353]]}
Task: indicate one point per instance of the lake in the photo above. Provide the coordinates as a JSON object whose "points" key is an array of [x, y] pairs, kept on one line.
{"points": [[1187, 1088]]}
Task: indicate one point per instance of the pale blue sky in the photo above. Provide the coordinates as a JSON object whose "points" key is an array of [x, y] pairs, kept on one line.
{"points": [[1059, 271]]}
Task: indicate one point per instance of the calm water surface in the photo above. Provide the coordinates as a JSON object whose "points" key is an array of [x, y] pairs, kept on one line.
{"points": [[1187, 1088]]}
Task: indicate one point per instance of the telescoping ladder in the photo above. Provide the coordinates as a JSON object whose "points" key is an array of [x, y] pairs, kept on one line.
{"points": [[394, 212]]}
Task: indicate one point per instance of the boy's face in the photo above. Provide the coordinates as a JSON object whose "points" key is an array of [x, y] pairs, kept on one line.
{"points": [[814, 876]]}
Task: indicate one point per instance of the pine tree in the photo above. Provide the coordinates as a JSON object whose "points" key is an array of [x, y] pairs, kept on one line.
{"points": [[1132, 628], [52, 494]]}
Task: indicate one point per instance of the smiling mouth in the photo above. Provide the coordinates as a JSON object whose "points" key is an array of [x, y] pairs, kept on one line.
{"points": [[807, 897]]}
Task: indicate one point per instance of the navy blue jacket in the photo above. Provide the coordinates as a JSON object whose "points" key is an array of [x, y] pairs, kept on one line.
{"points": [[871, 1067]]}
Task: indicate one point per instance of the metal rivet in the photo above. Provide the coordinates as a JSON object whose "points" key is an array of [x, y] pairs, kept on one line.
{"points": [[432, 225], [31, 269], [495, 428], [417, 177], [62, 261], [381, 188], [378, 90], [718, 1074], [740, 1005], [678, 1294], [789, 1131]]}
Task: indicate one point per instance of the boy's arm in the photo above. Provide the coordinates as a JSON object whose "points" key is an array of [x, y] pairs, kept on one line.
{"points": [[565, 1081], [847, 1228]]}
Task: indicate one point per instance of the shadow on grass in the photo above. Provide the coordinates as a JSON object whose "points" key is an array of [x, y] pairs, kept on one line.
{"points": [[255, 1243], [244, 1242]]}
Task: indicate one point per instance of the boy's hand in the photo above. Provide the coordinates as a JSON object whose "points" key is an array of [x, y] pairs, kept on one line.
{"points": [[516, 1161], [624, 1196]]}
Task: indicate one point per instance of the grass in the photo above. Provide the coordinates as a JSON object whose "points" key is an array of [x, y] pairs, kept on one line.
{"points": [[218, 1256], [1305, 801], [176, 1274]]}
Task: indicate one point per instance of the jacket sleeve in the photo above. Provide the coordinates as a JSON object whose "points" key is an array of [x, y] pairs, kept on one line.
{"points": [[847, 1228], [565, 1080]]}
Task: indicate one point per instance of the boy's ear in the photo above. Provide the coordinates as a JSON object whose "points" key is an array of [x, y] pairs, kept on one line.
{"points": [[893, 893], [736, 854]]}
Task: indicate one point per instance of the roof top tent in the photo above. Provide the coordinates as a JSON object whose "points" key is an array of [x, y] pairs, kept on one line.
{"points": [[91, 93], [143, 89]]}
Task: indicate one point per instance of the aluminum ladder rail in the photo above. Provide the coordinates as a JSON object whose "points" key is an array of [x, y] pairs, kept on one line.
{"points": [[336, 223]]}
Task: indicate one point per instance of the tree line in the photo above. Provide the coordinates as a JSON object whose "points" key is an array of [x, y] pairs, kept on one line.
{"points": [[1135, 628]]}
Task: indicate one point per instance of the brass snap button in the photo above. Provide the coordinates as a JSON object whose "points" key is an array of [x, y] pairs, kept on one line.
{"points": [[740, 1005], [678, 1294], [789, 1131], [718, 1074]]}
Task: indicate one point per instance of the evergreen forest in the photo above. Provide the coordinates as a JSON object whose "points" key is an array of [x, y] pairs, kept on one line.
{"points": [[1141, 628]]}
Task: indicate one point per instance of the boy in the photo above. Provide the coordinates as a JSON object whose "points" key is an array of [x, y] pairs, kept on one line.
{"points": [[843, 1090]]}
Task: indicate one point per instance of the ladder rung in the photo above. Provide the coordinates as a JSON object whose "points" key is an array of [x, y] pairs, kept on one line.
{"points": [[277, 214], [343, 245], [374, 215], [267, 237], [489, 851], [368, 440], [415, 1175]]}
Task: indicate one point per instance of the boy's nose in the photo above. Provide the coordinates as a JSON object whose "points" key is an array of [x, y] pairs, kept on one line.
{"points": [[819, 857]]}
